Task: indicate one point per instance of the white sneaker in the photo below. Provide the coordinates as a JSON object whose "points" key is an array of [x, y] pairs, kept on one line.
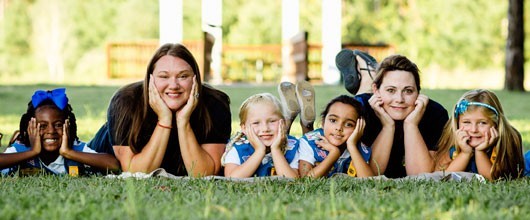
{"points": [[305, 93], [290, 106]]}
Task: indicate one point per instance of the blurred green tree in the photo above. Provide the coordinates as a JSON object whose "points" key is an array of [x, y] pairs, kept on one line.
{"points": [[451, 33]]}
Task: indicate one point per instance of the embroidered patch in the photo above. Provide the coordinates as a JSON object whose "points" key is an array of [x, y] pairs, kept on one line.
{"points": [[322, 153], [364, 148], [73, 170], [312, 136], [351, 170], [245, 158], [30, 171], [266, 159], [242, 140], [290, 144], [273, 171]]}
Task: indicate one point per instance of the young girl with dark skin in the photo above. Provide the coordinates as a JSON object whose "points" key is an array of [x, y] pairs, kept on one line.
{"points": [[48, 141]]}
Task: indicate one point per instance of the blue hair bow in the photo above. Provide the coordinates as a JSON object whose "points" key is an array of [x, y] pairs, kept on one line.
{"points": [[58, 96], [461, 107]]}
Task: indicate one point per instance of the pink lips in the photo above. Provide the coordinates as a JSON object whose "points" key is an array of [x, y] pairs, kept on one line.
{"points": [[398, 108], [266, 136], [173, 95]]}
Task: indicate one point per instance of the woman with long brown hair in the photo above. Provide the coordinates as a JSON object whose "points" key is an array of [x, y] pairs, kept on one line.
{"points": [[169, 120]]}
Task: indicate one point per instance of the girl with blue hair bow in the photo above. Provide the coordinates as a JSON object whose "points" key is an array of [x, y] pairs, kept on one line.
{"points": [[47, 141], [478, 138]]}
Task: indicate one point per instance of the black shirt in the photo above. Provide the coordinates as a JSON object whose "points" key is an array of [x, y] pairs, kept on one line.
{"points": [[218, 109], [430, 126]]}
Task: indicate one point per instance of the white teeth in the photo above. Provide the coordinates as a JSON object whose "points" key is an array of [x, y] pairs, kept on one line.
{"points": [[50, 140]]}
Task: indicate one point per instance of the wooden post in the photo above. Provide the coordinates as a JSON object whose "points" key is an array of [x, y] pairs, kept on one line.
{"points": [[170, 21], [514, 76]]}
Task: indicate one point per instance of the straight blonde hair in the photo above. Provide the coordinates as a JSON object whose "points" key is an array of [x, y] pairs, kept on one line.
{"points": [[509, 162]]}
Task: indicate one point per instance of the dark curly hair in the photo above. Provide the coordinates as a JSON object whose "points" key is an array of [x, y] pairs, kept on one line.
{"points": [[67, 113]]}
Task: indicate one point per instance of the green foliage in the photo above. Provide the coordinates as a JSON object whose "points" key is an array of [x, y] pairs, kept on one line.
{"points": [[253, 22], [191, 20], [450, 35], [15, 35]]}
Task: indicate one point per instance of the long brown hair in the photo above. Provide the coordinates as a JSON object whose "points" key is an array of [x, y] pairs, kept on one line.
{"points": [[509, 162], [133, 115]]}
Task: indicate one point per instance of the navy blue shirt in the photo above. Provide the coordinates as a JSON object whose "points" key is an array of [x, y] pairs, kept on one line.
{"points": [[430, 126]]}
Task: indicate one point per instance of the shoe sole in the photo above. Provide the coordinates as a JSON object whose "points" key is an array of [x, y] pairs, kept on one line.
{"points": [[370, 61], [305, 93], [287, 93], [347, 65]]}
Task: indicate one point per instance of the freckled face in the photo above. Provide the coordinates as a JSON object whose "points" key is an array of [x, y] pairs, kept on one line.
{"points": [[476, 124], [399, 93], [339, 123], [51, 123], [173, 79], [264, 120]]}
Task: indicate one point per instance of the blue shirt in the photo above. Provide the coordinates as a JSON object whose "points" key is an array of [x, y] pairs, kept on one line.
{"points": [[311, 153], [60, 166], [472, 165], [242, 150]]}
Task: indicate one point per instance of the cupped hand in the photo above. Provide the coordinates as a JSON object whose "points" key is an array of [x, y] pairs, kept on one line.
{"points": [[34, 135], [490, 138], [64, 143], [376, 102], [419, 108], [357, 133], [157, 103], [324, 144], [280, 137], [254, 140], [184, 114], [462, 140]]}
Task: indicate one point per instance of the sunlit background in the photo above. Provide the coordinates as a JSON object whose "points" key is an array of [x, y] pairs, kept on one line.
{"points": [[102, 42]]}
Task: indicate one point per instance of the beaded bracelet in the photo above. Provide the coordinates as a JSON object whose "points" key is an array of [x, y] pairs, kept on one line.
{"points": [[163, 126]]}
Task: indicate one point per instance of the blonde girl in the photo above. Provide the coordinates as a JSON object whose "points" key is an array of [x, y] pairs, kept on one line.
{"points": [[262, 148], [478, 138]]}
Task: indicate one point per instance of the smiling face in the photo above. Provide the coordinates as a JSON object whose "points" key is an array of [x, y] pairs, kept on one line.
{"points": [[339, 123], [173, 79], [51, 122], [263, 118], [399, 93], [476, 123]]}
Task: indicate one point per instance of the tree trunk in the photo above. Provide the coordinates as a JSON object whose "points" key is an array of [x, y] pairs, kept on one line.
{"points": [[514, 78]]}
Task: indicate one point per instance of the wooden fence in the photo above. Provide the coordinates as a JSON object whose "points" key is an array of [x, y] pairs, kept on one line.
{"points": [[241, 63]]}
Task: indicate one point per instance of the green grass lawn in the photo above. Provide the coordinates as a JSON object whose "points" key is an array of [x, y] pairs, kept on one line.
{"points": [[336, 198], [49, 197]]}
